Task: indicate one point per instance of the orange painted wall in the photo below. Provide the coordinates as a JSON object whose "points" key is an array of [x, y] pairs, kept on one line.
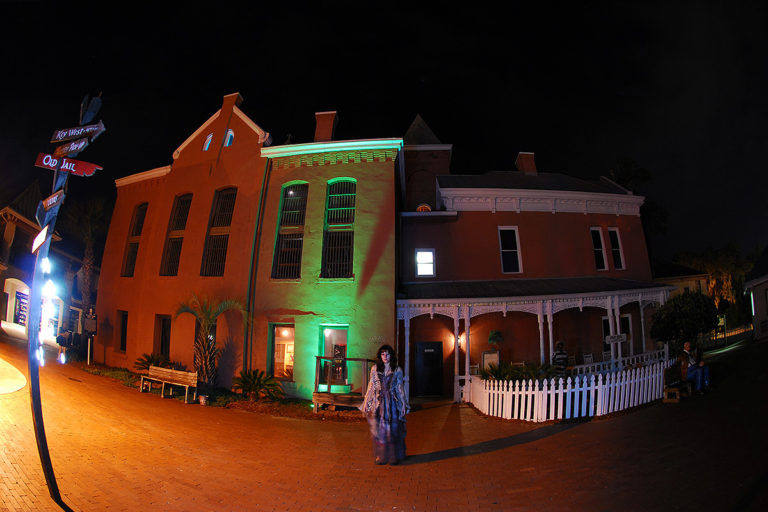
{"points": [[147, 294], [551, 245]]}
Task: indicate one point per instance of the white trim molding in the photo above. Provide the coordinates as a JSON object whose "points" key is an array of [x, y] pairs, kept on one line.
{"points": [[524, 200], [143, 176]]}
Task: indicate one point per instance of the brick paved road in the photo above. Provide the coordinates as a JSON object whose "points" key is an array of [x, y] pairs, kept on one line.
{"points": [[116, 449]]}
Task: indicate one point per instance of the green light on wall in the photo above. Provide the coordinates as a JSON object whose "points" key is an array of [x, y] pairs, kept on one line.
{"points": [[335, 388]]}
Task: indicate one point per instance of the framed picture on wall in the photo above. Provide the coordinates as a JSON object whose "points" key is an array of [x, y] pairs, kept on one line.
{"points": [[490, 356]]}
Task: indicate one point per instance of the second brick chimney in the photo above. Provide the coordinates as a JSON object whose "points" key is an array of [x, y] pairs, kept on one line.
{"points": [[526, 163], [325, 124]]}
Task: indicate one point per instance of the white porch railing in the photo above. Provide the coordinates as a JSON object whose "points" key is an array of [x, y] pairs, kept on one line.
{"points": [[603, 367], [578, 397]]}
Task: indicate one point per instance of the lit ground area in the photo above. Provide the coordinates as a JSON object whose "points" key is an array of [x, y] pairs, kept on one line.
{"points": [[116, 449]]}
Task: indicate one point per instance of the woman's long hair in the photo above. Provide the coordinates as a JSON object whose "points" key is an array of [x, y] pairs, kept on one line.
{"points": [[392, 358]]}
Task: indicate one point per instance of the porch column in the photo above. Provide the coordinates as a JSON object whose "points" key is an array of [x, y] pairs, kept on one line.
{"points": [[642, 324], [617, 318], [549, 324], [540, 315], [407, 379], [467, 387], [456, 355]]}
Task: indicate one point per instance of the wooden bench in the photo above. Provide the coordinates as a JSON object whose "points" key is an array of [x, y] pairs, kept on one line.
{"points": [[674, 385], [172, 378]]}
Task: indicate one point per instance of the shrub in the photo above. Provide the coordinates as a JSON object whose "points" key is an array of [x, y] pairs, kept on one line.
{"points": [[146, 360], [256, 384]]}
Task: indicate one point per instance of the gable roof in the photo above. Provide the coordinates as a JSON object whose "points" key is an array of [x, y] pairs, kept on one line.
{"points": [[419, 133]]}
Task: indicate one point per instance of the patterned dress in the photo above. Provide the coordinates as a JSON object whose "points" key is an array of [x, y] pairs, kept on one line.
{"points": [[385, 407]]}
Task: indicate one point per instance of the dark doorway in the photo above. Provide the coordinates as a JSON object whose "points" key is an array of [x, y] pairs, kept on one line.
{"points": [[163, 335], [428, 369]]}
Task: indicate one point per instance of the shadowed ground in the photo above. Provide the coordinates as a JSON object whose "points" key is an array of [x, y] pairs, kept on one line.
{"points": [[116, 449]]}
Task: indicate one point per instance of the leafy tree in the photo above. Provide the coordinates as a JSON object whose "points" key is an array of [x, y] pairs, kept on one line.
{"points": [[206, 352], [725, 267], [684, 317], [87, 222]]}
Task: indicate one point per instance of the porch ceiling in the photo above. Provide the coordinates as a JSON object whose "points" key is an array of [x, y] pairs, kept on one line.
{"points": [[528, 288]]}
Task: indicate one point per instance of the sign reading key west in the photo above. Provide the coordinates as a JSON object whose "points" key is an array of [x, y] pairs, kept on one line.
{"points": [[92, 131], [76, 167]]}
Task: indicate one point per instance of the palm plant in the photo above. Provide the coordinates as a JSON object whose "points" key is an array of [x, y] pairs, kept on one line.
{"points": [[206, 352], [146, 360], [256, 384]]}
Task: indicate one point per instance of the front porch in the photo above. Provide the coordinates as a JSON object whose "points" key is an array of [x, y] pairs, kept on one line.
{"points": [[587, 310]]}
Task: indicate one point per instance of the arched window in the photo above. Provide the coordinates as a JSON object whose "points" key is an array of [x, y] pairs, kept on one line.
{"points": [[290, 231], [339, 233], [215, 250], [207, 142], [230, 138]]}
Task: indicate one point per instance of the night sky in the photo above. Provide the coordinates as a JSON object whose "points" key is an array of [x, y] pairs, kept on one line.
{"points": [[677, 87]]}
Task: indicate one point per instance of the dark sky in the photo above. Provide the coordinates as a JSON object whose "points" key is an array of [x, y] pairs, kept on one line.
{"points": [[678, 87]]}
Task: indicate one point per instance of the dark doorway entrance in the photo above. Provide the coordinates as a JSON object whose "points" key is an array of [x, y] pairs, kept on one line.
{"points": [[428, 369], [163, 335]]}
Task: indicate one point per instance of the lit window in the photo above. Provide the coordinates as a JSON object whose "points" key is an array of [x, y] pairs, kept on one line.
{"points": [[207, 143], [616, 252], [423, 207], [425, 262], [230, 138], [215, 250], [290, 232], [510, 250], [598, 248], [283, 337], [169, 265], [339, 234], [134, 237]]}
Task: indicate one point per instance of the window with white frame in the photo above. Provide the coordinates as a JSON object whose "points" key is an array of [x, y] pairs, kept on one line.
{"points": [[509, 244], [598, 248], [229, 139], [425, 263], [207, 143], [616, 251]]}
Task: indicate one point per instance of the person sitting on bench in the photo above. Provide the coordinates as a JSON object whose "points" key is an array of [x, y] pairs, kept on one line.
{"points": [[693, 368]]}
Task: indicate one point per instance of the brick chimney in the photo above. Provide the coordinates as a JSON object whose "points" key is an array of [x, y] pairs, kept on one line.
{"points": [[526, 163], [325, 124]]}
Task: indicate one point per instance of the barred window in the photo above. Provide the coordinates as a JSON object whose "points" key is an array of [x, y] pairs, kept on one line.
{"points": [[134, 237], [215, 251], [169, 266], [339, 235], [290, 232]]}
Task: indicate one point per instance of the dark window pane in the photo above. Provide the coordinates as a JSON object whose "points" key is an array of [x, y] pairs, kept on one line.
{"points": [[613, 236], [509, 261], [337, 254], [294, 205], [287, 262], [137, 225], [171, 257], [180, 213], [597, 244], [224, 206], [129, 259], [508, 240], [215, 255]]}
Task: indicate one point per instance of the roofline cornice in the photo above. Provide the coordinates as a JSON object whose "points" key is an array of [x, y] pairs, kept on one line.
{"points": [[428, 147], [755, 282], [143, 176], [327, 147], [554, 201]]}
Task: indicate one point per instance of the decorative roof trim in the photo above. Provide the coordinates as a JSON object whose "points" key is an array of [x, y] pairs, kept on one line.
{"points": [[554, 201], [453, 213], [755, 282], [143, 176], [428, 147], [333, 146], [195, 134], [263, 135]]}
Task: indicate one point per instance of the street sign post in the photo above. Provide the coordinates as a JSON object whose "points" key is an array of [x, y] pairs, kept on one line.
{"points": [[615, 338], [47, 211]]}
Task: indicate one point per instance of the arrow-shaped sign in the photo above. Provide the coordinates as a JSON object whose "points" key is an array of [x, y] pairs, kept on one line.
{"points": [[76, 167], [70, 148], [92, 131]]}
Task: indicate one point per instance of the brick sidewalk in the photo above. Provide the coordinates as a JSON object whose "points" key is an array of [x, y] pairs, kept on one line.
{"points": [[116, 449]]}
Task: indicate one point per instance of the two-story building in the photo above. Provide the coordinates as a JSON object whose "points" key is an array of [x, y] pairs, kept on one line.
{"points": [[301, 234], [503, 265]]}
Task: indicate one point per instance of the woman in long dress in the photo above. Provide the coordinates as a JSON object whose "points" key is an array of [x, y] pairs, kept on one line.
{"points": [[385, 405]]}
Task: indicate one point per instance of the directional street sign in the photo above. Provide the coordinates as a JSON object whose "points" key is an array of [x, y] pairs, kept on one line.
{"points": [[76, 167], [92, 131], [50, 202], [69, 148]]}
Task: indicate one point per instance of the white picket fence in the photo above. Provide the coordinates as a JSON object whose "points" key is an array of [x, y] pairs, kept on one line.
{"points": [[558, 399], [644, 359]]}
